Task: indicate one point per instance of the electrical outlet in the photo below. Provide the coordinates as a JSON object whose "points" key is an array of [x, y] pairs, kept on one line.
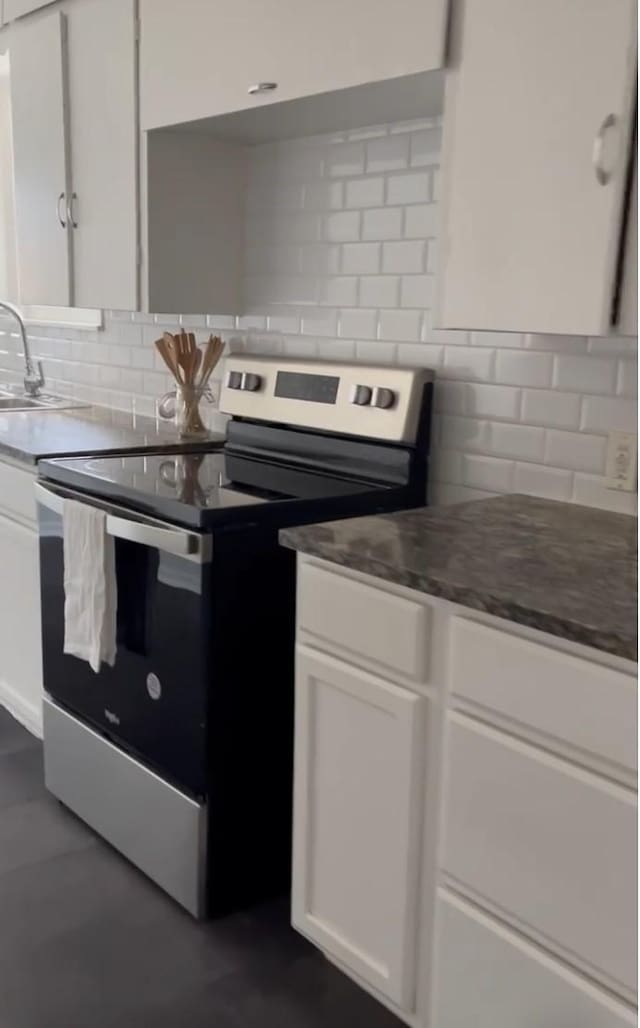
{"points": [[622, 461]]}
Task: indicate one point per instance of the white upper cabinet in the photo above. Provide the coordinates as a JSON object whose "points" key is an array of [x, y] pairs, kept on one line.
{"points": [[200, 59], [40, 155], [103, 128], [16, 8], [538, 112]]}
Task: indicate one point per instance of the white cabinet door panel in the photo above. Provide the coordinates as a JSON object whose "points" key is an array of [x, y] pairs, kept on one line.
{"points": [[357, 820], [550, 845], [20, 645], [16, 8], [102, 116], [201, 61], [529, 236], [489, 977], [39, 121]]}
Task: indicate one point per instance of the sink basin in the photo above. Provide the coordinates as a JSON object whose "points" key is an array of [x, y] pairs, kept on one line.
{"points": [[15, 401]]}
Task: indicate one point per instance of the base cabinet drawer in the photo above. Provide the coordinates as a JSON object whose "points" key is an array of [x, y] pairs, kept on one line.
{"points": [[358, 794], [553, 847], [489, 977]]}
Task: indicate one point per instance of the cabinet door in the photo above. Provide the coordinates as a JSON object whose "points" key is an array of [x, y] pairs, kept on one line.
{"points": [[490, 977], [20, 645], [357, 820], [103, 127], [39, 123], [530, 230], [16, 8], [201, 61]]}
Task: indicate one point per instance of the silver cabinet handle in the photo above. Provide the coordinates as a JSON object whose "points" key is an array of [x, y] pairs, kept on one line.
{"points": [[70, 218], [63, 223], [145, 531], [603, 175], [262, 87]]}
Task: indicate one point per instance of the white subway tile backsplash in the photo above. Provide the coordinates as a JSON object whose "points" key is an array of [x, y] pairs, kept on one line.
{"points": [[403, 257], [535, 480], [584, 374], [412, 187], [602, 414], [358, 324], [361, 258], [402, 326], [379, 291], [340, 257], [575, 450], [388, 153], [550, 407], [516, 367], [365, 192], [382, 223]]}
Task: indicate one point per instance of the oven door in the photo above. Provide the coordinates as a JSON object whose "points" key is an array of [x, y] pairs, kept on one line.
{"points": [[153, 701]]}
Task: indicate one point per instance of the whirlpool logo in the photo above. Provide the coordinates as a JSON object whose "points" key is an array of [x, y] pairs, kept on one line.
{"points": [[112, 718]]}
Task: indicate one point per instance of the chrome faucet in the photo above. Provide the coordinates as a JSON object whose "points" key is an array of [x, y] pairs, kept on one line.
{"points": [[33, 374]]}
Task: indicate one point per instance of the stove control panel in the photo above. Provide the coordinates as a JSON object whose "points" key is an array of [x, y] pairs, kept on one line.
{"points": [[371, 401]]}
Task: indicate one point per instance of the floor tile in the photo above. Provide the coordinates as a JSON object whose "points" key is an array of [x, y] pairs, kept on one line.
{"points": [[13, 736]]}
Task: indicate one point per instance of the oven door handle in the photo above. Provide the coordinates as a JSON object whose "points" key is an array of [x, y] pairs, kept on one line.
{"points": [[141, 530]]}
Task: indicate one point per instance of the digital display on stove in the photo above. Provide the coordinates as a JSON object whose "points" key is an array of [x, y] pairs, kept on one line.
{"points": [[315, 388]]}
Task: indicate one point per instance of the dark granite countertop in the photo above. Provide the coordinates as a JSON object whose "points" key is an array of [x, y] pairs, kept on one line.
{"points": [[564, 569], [32, 435]]}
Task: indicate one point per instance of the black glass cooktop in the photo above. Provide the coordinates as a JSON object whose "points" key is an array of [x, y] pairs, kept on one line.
{"points": [[200, 490]]}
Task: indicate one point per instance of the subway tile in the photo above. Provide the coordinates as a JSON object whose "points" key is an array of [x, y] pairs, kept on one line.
{"points": [[364, 192], [382, 223], [419, 355], [425, 146], [515, 367], [614, 346], [518, 441], [487, 473], [510, 340], [345, 159], [295, 347], [575, 450], [550, 407], [320, 259], [221, 321], [389, 153], [463, 433], [251, 321], [468, 362], [403, 257], [534, 480], [193, 321], [432, 257], [323, 196], [450, 397], [585, 374], [627, 382], [361, 258], [446, 466], [142, 357], [401, 326], [436, 179], [338, 290], [592, 491], [342, 226], [376, 353], [604, 414], [416, 291], [442, 494], [411, 187], [420, 221], [284, 323], [379, 291], [556, 344], [370, 132], [493, 401], [322, 322], [357, 324]]}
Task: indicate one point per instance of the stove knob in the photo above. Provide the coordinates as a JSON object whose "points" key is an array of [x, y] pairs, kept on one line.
{"points": [[250, 382], [234, 380], [360, 395], [383, 397]]}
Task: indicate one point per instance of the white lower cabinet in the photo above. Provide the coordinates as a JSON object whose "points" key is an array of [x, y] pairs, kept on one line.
{"points": [[489, 977], [357, 820], [20, 644], [465, 809]]}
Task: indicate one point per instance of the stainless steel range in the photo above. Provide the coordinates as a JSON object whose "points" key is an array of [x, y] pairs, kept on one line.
{"points": [[180, 754]]}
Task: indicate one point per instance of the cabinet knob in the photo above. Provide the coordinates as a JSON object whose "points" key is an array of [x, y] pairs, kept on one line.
{"points": [[262, 87]]}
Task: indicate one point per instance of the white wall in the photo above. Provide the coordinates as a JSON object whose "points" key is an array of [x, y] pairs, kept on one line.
{"points": [[340, 256]]}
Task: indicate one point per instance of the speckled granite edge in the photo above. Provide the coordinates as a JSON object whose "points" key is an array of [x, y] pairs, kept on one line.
{"points": [[412, 539]]}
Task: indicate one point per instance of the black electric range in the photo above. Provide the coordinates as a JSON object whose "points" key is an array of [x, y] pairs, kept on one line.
{"points": [[181, 753]]}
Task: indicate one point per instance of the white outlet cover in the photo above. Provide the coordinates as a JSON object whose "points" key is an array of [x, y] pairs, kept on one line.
{"points": [[622, 461]]}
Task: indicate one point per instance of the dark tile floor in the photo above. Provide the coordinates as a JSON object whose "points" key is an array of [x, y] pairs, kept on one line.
{"points": [[86, 941]]}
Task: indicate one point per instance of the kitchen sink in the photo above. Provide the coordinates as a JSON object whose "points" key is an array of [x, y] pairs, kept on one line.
{"points": [[13, 401]]}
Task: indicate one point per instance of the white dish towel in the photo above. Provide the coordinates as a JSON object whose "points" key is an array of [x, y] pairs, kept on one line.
{"points": [[90, 587]]}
